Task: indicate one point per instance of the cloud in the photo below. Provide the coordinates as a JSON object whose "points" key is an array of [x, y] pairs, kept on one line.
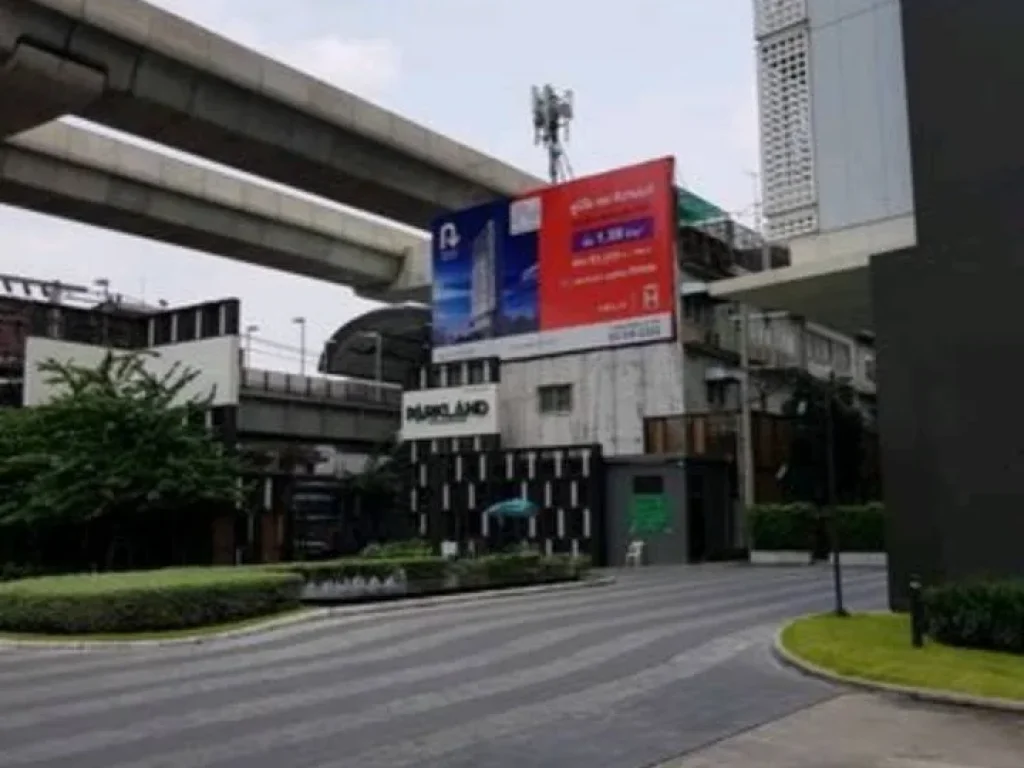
{"points": [[368, 68]]}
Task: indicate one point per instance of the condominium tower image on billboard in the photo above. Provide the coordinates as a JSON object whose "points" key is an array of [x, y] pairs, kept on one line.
{"points": [[483, 289]]}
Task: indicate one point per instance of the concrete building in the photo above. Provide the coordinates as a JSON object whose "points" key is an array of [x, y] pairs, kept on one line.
{"points": [[647, 409], [289, 427], [908, 177], [835, 154], [41, 320]]}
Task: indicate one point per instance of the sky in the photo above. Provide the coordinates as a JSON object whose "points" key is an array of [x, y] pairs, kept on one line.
{"points": [[650, 77]]}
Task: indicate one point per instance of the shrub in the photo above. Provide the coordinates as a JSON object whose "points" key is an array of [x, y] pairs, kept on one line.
{"points": [[15, 571], [776, 527], [988, 615], [563, 568], [862, 528], [144, 601]]}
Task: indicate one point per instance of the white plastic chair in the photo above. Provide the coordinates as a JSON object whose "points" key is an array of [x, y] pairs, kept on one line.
{"points": [[635, 553]]}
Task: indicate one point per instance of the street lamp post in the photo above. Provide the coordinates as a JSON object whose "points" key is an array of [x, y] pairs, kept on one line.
{"points": [[378, 359], [830, 497], [746, 419], [249, 331], [301, 322]]}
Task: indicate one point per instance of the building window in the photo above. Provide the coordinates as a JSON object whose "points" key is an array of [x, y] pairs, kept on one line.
{"points": [[842, 359], [718, 394], [555, 398], [819, 349]]}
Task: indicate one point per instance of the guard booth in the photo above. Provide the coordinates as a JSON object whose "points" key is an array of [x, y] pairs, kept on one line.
{"points": [[682, 509]]}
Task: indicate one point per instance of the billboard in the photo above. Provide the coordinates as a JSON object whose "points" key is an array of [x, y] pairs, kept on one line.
{"points": [[582, 265], [428, 414]]}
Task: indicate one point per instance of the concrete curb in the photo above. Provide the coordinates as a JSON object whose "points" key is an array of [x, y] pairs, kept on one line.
{"points": [[790, 659], [307, 616]]}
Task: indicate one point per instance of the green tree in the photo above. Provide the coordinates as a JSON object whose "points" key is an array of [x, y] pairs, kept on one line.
{"points": [[377, 498], [116, 443], [806, 477]]}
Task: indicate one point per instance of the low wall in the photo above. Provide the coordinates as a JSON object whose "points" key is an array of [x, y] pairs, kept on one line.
{"points": [[780, 557]]}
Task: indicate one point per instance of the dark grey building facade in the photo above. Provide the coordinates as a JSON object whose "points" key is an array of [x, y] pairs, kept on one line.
{"points": [[950, 350]]}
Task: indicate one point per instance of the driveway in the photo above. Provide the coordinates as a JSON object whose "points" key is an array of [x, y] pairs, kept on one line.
{"points": [[662, 663]]}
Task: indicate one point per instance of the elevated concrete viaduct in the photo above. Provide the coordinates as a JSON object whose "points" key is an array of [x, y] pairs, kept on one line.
{"points": [[78, 174], [136, 68]]}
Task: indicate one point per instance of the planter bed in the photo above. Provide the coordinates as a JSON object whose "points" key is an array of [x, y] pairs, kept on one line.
{"points": [[409, 592], [370, 580]]}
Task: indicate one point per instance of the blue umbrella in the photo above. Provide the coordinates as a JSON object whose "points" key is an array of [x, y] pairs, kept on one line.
{"points": [[520, 508]]}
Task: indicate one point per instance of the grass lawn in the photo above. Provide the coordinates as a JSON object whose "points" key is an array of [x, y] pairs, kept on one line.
{"points": [[877, 647], [172, 634]]}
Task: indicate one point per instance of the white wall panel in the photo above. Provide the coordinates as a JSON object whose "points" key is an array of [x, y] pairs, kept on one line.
{"points": [[858, 99], [613, 390], [216, 359]]}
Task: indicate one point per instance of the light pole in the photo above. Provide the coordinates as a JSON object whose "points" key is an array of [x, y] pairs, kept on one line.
{"points": [[830, 496], [746, 425], [378, 358], [803, 409], [301, 322], [249, 331]]}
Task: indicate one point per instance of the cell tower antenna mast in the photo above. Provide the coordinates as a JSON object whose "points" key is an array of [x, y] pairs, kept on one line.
{"points": [[552, 114]]}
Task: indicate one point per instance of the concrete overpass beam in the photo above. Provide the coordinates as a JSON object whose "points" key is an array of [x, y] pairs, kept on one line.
{"points": [[314, 422], [39, 85], [53, 185]]}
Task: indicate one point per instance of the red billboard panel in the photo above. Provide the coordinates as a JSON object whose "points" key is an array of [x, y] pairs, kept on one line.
{"points": [[607, 248]]}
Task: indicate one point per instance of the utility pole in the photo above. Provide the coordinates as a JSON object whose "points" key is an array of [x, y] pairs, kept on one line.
{"points": [[746, 426], [247, 352], [830, 495], [552, 114], [378, 359], [301, 322]]}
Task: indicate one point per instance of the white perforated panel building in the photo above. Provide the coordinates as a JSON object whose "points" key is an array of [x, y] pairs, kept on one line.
{"points": [[835, 149]]}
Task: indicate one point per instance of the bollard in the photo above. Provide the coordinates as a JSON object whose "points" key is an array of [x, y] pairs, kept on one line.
{"points": [[916, 613]]}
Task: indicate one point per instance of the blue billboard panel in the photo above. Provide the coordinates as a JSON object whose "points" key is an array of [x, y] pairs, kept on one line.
{"points": [[484, 278]]}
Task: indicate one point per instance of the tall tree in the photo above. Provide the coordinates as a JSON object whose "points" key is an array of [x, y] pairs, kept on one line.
{"points": [[378, 502], [810, 406], [117, 441]]}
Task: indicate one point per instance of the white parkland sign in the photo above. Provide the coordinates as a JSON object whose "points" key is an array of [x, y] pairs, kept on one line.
{"points": [[429, 414]]}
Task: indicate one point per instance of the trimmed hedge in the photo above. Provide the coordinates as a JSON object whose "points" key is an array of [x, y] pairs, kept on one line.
{"points": [[779, 527], [796, 527], [862, 528], [988, 615], [185, 598], [144, 601]]}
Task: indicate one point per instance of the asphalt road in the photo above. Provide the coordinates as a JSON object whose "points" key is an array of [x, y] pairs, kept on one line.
{"points": [[663, 662]]}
